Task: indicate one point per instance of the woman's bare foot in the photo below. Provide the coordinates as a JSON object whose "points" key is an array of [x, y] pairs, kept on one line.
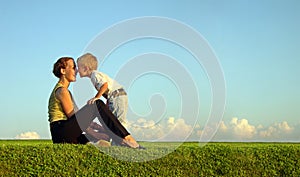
{"points": [[130, 141]]}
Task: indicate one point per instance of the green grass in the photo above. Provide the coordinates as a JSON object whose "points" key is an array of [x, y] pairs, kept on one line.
{"points": [[42, 158]]}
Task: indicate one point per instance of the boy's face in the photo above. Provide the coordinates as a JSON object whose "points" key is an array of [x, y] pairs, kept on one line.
{"points": [[82, 70]]}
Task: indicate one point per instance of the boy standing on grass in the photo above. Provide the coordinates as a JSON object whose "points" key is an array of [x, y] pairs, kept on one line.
{"points": [[110, 89]]}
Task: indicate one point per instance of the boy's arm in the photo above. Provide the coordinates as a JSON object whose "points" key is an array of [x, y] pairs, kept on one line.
{"points": [[100, 92]]}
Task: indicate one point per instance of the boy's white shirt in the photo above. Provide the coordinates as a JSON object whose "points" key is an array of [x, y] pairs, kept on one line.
{"points": [[98, 79]]}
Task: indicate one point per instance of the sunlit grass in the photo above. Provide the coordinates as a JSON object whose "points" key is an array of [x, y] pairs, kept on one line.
{"points": [[41, 157]]}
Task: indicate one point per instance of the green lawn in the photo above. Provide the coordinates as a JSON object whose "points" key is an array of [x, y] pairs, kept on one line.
{"points": [[42, 158]]}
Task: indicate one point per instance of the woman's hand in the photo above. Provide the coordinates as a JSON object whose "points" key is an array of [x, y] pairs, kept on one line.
{"points": [[92, 100]]}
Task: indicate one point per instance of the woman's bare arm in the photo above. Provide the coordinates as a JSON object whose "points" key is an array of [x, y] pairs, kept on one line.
{"points": [[63, 95]]}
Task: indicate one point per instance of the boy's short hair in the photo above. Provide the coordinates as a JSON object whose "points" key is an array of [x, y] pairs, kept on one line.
{"points": [[89, 61], [61, 63]]}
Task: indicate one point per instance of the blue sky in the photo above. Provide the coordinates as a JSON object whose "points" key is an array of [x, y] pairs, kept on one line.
{"points": [[256, 42]]}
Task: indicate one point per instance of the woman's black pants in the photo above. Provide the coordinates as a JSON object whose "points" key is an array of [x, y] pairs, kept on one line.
{"points": [[70, 131]]}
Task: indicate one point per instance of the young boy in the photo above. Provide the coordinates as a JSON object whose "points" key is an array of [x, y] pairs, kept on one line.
{"points": [[110, 89]]}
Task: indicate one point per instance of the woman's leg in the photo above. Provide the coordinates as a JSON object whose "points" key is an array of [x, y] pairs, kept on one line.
{"points": [[56, 132], [88, 113], [74, 126], [62, 131], [70, 131]]}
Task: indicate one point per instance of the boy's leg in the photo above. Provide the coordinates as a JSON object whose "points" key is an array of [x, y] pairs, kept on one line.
{"points": [[111, 122], [119, 106]]}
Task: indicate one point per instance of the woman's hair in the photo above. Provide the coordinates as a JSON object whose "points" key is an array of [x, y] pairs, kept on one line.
{"points": [[61, 63], [89, 61]]}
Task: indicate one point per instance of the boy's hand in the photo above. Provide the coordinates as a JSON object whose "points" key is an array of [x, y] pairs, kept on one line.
{"points": [[92, 101]]}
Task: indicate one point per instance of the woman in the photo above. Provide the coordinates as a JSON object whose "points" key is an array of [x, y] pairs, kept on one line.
{"points": [[67, 123]]}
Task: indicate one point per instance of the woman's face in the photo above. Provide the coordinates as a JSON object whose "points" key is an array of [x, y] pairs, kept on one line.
{"points": [[70, 71]]}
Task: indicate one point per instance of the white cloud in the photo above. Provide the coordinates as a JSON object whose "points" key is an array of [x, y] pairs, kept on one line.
{"points": [[170, 129], [177, 129], [260, 126], [242, 129], [171, 121], [235, 130], [28, 135], [145, 130], [283, 126], [277, 131], [223, 127]]}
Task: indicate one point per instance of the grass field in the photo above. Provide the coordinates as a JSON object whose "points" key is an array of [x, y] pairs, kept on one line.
{"points": [[42, 158]]}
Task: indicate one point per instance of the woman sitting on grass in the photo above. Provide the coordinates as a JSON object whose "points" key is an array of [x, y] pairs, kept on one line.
{"points": [[67, 123]]}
